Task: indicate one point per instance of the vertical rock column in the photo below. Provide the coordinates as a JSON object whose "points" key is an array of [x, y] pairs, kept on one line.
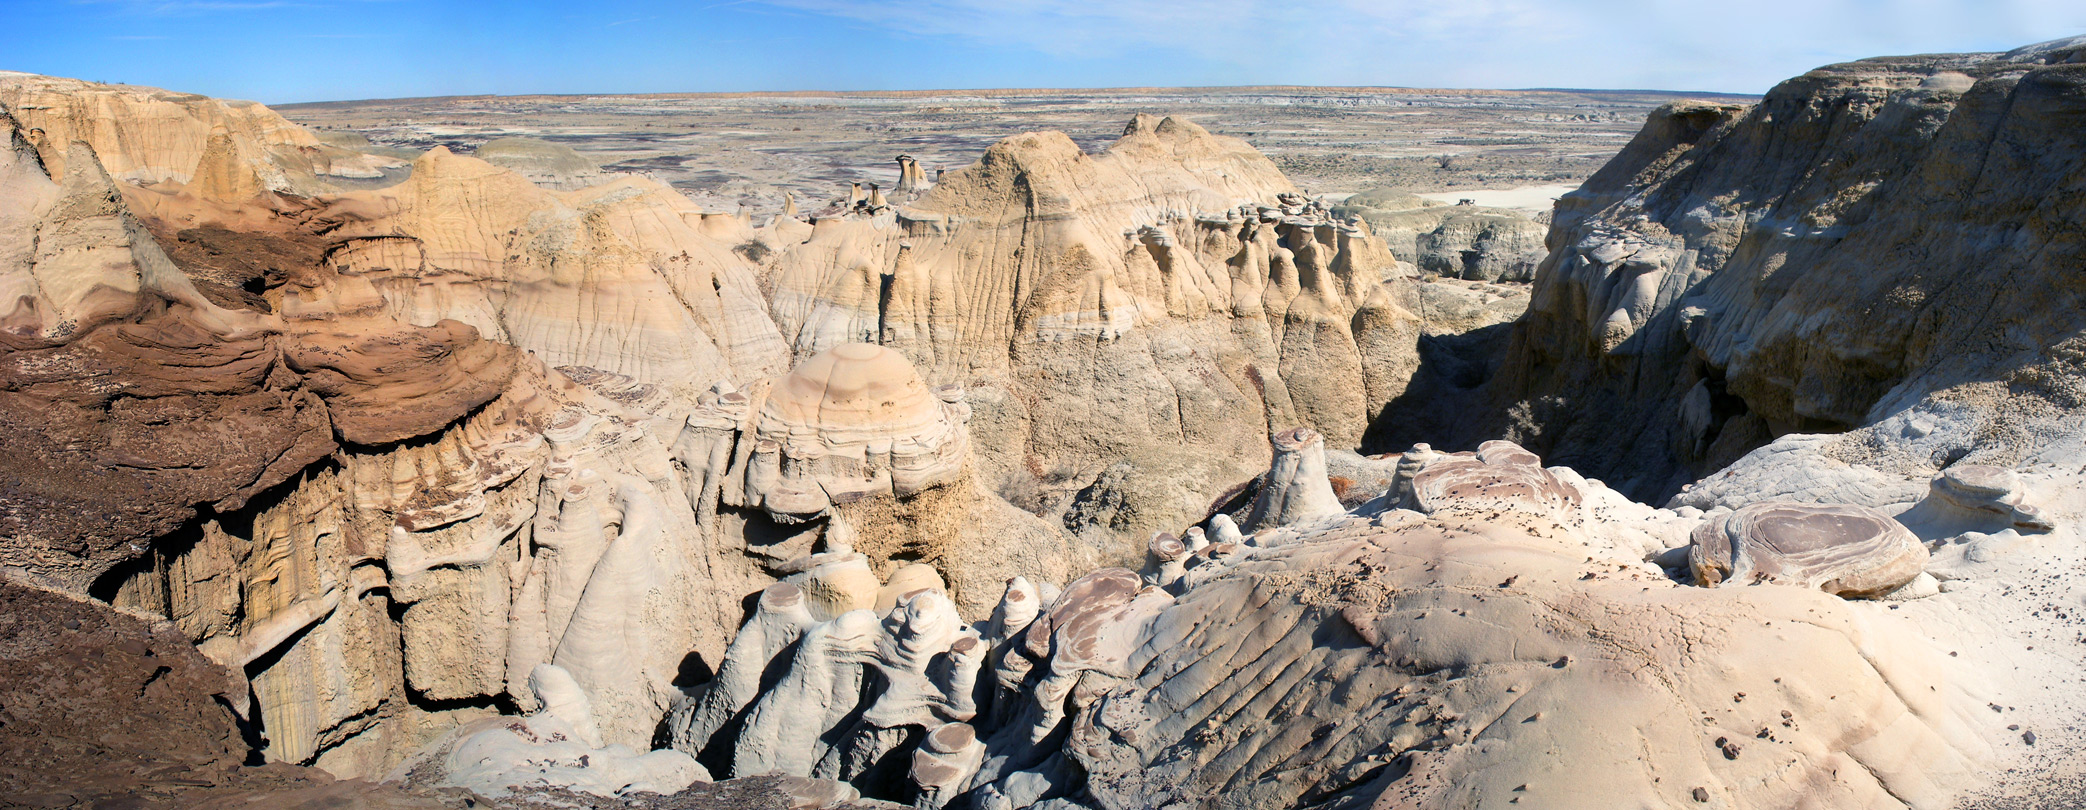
{"points": [[1296, 488]]}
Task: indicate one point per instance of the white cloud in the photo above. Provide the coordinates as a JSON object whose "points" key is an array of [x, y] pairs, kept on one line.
{"points": [[1496, 43]]}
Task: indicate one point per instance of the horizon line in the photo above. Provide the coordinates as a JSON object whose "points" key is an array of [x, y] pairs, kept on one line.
{"points": [[1017, 92]]}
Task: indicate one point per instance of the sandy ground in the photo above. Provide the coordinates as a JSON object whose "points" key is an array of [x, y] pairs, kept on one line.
{"points": [[1531, 200]]}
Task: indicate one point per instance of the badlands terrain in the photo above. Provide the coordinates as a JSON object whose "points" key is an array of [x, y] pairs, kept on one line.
{"points": [[730, 149], [347, 465]]}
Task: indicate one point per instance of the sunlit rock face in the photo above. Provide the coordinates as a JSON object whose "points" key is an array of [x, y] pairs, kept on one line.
{"points": [[549, 165], [220, 150], [1840, 549], [621, 277], [1455, 241], [1155, 305], [1444, 645], [133, 398], [343, 505], [853, 422]]}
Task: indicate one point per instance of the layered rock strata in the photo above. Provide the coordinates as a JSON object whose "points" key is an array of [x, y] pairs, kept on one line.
{"points": [[132, 399], [220, 150], [1156, 305], [529, 431], [1845, 550]]}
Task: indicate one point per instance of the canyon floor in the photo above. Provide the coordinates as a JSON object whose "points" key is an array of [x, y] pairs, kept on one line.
{"points": [[731, 149]]}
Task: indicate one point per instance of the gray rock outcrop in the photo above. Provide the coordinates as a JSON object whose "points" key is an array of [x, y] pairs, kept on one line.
{"points": [[1742, 273]]}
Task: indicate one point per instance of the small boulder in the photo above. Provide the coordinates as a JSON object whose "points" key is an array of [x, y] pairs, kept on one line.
{"points": [[1842, 549]]}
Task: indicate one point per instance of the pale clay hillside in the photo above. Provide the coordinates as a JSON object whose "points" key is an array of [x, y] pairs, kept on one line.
{"points": [[373, 463]]}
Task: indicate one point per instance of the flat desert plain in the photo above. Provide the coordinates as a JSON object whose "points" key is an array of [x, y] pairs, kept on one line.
{"points": [[746, 149]]}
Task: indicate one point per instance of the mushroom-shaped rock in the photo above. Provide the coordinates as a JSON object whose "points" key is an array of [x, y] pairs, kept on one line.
{"points": [[1018, 606], [1995, 491], [906, 580], [1196, 539], [1084, 631], [1077, 609], [836, 583], [1499, 475], [916, 630], [911, 178], [1167, 560], [853, 422], [943, 763], [1842, 549], [1295, 488], [1409, 465]]}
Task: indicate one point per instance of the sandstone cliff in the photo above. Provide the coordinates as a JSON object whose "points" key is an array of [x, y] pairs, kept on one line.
{"points": [[433, 515]]}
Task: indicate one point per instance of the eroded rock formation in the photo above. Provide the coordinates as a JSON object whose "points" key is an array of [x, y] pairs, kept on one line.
{"points": [[627, 277], [220, 150], [1154, 305], [550, 165], [853, 422], [132, 399], [1457, 241], [1381, 655], [475, 465], [1742, 273], [1841, 549], [558, 746]]}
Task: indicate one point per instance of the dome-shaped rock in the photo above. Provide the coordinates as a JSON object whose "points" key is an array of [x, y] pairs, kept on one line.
{"points": [[854, 421], [1843, 549]]}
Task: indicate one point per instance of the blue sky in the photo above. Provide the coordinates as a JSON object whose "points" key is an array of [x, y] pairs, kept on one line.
{"points": [[310, 50]]}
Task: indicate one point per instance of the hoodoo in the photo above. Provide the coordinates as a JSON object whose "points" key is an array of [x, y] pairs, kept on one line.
{"points": [[485, 470]]}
